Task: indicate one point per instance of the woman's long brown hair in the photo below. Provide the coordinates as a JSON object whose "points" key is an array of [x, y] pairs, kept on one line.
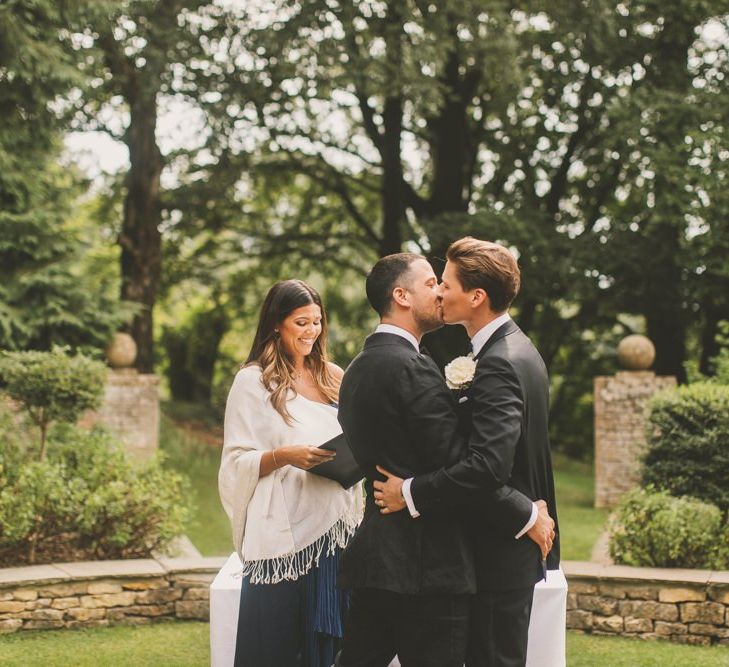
{"points": [[277, 366]]}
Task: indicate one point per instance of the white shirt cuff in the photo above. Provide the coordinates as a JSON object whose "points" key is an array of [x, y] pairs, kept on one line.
{"points": [[411, 505], [529, 524]]}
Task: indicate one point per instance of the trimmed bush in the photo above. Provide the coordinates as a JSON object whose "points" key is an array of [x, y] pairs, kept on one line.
{"points": [[688, 443], [87, 501], [52, 386], [654, 529]]}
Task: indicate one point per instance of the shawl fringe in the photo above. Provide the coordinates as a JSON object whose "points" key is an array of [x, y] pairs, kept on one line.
{"points": [[292, 566]]}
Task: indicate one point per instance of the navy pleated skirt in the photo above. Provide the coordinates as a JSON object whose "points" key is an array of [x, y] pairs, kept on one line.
{"points": [[292, 623]]}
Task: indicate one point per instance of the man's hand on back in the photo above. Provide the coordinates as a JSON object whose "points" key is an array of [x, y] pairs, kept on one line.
{"points": [[388, 494], [542, 532]]}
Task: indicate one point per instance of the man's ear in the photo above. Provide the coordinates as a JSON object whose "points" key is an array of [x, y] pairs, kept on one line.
{"points": [[478, 297], [399, 296]]}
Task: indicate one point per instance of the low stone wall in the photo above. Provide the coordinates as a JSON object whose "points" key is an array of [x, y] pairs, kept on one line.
{"points": [[100, 593], [685, 606]]}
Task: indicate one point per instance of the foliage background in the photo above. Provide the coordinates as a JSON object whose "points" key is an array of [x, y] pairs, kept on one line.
{"points": [[273, 140]]}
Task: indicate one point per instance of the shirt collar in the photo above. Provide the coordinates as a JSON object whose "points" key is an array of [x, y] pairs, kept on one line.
{"points": [[398, 331], [481, 337]]}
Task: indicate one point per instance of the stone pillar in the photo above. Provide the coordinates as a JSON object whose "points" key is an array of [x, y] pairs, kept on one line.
{"points": [[620, 419], [130, 408]]}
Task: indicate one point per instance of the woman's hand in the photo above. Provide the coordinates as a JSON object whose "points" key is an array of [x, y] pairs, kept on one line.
{"points": [[303, 457]]}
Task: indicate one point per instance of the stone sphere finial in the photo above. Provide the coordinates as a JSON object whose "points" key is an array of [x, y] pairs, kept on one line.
{"points": [[121, 351], [636, 353]]}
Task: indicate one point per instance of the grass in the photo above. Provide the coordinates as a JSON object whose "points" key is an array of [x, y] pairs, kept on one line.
{"points": [[590, 651], [579, 522], [199, 461], [179, 644], [182, 644]]}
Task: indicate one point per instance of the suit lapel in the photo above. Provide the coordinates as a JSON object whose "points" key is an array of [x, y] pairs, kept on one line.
{"points": [[465, 402], [505, 329]]}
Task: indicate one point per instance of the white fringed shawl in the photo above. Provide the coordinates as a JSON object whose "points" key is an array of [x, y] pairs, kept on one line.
{"points": [[281, 522]]}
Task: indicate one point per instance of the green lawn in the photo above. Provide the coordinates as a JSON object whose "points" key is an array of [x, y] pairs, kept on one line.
{"points": [[579, 522], [589, 651], [210, 529], [174, 643], [187, 644]]}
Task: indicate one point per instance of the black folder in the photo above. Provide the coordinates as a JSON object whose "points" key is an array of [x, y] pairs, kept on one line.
{"points": [[343, 468]]}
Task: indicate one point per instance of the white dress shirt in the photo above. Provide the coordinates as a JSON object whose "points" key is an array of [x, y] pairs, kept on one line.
{"points": [[480, 338], [398, 331]]}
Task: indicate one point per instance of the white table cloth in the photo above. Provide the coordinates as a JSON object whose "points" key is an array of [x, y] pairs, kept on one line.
{"points": [[546, 629], [548, 622]]}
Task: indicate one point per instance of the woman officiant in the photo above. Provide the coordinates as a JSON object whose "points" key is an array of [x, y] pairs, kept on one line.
{"points": [[289, 525]]}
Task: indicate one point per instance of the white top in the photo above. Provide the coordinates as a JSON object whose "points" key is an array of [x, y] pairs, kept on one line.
{"points": [[281, 522], [399, 331]]}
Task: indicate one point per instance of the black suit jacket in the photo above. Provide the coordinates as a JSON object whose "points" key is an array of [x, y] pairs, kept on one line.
{"points": [[396, 411], [508, 443]]}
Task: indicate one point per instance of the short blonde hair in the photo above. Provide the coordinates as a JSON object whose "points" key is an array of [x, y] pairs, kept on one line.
{"points": [[488, 266]]}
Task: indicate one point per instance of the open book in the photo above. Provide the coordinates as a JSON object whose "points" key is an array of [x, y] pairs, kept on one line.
{"points": [[343, 468]]}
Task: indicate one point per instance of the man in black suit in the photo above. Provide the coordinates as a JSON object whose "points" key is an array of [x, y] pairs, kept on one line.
{"points": [[505, 410], [410, 580]]}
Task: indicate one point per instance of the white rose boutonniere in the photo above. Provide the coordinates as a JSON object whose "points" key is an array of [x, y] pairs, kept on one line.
{"points": [[459, 373]]}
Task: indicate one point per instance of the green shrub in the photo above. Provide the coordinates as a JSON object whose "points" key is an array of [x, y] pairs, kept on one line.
{"points": [[87, 500], [52, 386], [654, 529], [718, 365], [13, 442], [688, 443]]}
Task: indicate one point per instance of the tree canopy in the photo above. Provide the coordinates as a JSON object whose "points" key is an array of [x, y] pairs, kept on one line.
{"points": [[589, 137]]}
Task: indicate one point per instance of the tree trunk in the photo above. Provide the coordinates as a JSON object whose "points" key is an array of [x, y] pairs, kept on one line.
{"points": [[43, 424], [393, 206], [451, 153], [192, 351], [665, 310], [709, 345], [669, 336], [666, 320], [527, 314], [33, 544], [450, 147], [140, 237], [393, 203]]}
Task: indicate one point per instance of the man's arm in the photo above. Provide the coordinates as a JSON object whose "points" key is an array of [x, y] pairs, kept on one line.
{"points": [[505, 502], [431, 420], [495, 432]]}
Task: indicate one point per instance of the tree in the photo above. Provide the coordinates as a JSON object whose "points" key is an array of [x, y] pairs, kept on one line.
{"points": [[668, 130], [134, 52], [192, 349], [44, 297], [52, 386], [47, 297], [415, 123]]}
